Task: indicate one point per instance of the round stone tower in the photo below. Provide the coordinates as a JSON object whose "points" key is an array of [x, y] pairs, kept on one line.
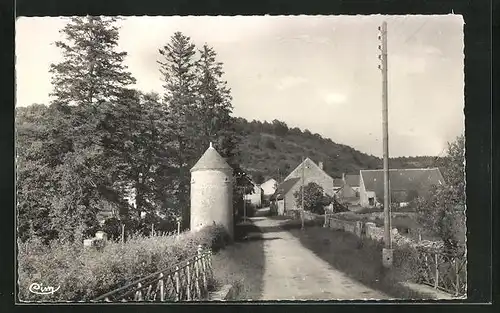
{"points": [[212, 192]]}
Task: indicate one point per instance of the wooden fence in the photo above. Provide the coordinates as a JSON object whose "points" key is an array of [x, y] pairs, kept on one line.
{"points": [[447, 272], [186, 281]]}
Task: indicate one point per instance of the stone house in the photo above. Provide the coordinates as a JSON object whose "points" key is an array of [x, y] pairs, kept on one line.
{"points": [[312, 172], [405, 185], [349, 190]]}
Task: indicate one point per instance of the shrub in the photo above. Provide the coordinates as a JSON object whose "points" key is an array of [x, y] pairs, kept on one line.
{"points": [[84, 274]]}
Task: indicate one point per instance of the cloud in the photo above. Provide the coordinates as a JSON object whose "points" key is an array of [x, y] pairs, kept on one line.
{"points": [[333, 98], [290, 81]]}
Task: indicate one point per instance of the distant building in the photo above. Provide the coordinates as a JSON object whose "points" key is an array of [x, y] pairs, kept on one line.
{"points": [[405, 184], [269, 187], [313, 173], [349, 190], [338, 183], [268, 190], [352, 180], [255, 197]]}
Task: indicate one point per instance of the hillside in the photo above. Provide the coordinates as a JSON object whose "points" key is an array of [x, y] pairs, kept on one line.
{"points": [[274, 150]]}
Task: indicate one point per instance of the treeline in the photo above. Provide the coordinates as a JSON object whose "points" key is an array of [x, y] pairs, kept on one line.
{"points": [[273, 149], [100, 141]]}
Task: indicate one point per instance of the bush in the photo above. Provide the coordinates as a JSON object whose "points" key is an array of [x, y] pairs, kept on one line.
{"points": [[84, 274]]}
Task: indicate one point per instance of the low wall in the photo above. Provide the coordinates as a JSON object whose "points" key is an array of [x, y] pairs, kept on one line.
{"points": [[295, 214], [371, 231]]}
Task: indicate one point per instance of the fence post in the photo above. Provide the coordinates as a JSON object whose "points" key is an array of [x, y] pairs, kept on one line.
{"points": [[188, 289], [162, 288], [436, 279], [203, 268], [177, 284], [197, 272], [139, 292]]}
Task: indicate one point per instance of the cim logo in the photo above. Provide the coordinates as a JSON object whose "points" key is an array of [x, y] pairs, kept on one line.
{"points": [[40, 289]]}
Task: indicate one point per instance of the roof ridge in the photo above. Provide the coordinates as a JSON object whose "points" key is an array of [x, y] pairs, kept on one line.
{"points": [[211, 160], [401, 169]]}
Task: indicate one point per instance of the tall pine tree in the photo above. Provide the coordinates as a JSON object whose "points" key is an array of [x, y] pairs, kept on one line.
{"points": [[213, 99], [91, 73], [177, 68]]}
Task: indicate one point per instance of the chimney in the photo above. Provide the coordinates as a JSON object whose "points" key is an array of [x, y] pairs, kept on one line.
{"points": [[320, 164]]}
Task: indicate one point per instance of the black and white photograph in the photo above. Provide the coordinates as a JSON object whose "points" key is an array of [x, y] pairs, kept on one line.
{"points": [[240, 158]]}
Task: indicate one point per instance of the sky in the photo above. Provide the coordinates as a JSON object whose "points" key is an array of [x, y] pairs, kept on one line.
{"points": [[314, 72]]}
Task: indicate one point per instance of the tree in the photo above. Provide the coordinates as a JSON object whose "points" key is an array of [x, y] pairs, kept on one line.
{"points": [[137, 142], [214, 98], [314, 198], [178, 69], [67, 147], [258, 178], [92, 71], [36, 156], [442, 210], [280, 128]]}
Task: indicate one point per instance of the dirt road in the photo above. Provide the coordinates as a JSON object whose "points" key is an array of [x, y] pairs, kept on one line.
{"points": [[292, 272]]}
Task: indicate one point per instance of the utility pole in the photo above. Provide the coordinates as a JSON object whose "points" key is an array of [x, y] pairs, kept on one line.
{"points": [[387, 252], [302, 195], [244, 205]]}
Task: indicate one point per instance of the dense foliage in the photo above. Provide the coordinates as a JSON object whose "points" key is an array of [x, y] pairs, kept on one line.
{"points": [[83, 274], [315, 198], [102, 150], [443, 210], [273, 150]]}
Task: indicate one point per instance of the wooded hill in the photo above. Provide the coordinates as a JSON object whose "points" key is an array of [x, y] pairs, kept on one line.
{"points": [[273, 150]]}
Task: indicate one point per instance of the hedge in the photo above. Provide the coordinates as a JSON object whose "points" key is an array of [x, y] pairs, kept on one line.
{"points": [[83, 274]]}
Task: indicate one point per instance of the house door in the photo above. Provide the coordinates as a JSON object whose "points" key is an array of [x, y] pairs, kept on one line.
{"points": [[281, 207], [371, 201]]}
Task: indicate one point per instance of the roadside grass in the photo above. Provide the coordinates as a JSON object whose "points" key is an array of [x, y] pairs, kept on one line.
{"points": [[83, 274], [242, 264], [361, 259]]}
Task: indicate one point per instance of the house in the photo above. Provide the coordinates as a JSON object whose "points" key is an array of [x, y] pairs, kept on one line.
{"points": [[268, 189], [405, 184], [337, 184], [310, 172], [349, 191], [352, 180], [255, 198]]}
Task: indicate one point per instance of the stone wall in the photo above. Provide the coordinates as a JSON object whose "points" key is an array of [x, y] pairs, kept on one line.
{"points": [[371, 231]]}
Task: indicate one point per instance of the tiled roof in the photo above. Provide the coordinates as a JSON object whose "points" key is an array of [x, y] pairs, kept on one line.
{"points": [[338, 182], [419, 179], [211, 160], [352, 180], [307, 163], [285, 187]]}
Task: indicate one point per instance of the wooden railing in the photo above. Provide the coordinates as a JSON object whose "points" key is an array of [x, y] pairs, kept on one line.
{"points": [[447, 272], [185, 281]]}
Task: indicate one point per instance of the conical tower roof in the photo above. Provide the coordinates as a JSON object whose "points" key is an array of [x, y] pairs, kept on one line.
{"points": [[211, 160]]}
